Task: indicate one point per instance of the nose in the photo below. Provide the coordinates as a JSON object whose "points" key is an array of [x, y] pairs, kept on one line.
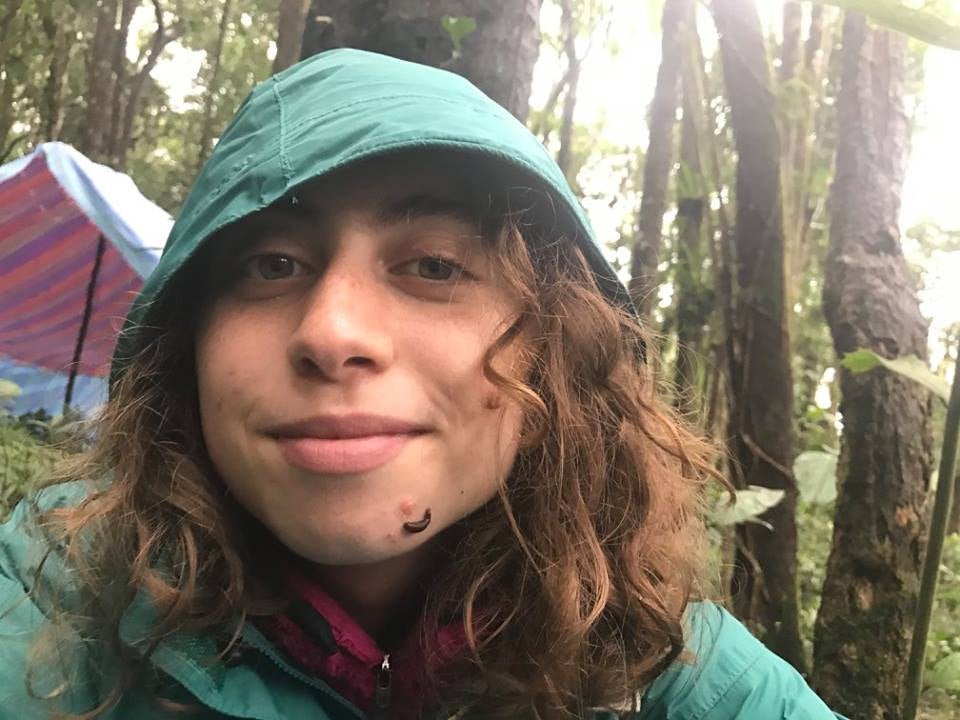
{"points": [[343, 328]]}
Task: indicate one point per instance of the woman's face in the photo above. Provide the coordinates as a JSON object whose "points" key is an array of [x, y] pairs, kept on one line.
{"points": [[340, 365]]}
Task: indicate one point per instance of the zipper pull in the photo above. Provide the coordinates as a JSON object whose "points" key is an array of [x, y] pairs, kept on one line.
{"points": [[382, 696]]}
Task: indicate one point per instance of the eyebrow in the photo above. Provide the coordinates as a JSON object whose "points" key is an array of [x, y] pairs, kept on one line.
{"points": [[263, 220], [404, 209], [415, 207]]}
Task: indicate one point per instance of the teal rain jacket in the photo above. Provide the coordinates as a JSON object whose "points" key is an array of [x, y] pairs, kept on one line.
{"points": [[322, 114]]}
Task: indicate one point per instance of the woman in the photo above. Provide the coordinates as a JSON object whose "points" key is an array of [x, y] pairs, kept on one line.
{"points": [[381, 442]]}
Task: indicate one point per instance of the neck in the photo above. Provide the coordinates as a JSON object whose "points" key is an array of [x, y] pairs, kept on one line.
{"points": [[385, 598]]}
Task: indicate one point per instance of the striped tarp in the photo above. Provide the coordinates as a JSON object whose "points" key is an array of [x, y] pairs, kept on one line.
{"points": [[55, 205]]}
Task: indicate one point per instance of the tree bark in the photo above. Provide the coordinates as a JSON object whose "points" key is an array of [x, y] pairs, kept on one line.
{"points": [[694, 300], [6, 25], [161, 38], [7, 19], [498, 56], [699, 111], [291, 21], [644, 277], [60, 34], [565, 151], [953, 526], [206, 130], [692, 296], [869, 595], [542, 128], [814, 36], [803, 115], [113, 138], [100, 81], [790, 50], [761, 413]]}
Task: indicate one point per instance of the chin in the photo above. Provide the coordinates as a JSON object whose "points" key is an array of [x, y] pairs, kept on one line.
{"points": [[349, 549]]}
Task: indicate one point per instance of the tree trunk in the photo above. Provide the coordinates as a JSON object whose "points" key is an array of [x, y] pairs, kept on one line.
{"points": [[761, 413], [644, 277], [6, 24], [573, 80], [790, 50], [953, 525], [498, 56], [291, 21], [814, 36], [803, 113], [162, 36], [206, 131], [694, 300], [60, 34], [541, 127], [7, 19], [113, 138], [100, 81], [952, 339], [692, 308], [862, 635]]}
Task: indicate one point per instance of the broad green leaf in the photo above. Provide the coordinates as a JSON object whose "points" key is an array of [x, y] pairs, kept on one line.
{"points": [[750, 503], [916, 22], [909, 366], [8, 390], [458, 28], [946, 673], [816, 474], [860, 361]]}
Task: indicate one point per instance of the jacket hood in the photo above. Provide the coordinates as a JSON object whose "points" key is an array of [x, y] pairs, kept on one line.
{"points": [[338, 108]]}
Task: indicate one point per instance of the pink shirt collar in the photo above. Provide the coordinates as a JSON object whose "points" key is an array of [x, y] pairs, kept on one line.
{"points": [[355, 667]]}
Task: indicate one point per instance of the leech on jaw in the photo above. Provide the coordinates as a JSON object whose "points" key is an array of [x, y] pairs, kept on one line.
{"points": [[416, 526]]}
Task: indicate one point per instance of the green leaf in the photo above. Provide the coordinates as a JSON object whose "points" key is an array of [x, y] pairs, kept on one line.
{"points": [[908, 366], [816, 474], [860, 361], [750, 503], [915, 22], [458, 28], [946, 673]]}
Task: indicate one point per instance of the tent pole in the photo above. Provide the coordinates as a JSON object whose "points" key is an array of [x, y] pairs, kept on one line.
{"points": [[85, 322]]}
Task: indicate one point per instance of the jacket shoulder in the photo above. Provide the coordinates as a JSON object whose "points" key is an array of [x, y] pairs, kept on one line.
{"points": [[21, 547], [730, 676], [21, 619]]}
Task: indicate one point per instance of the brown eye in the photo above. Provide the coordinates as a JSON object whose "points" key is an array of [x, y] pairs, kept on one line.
{"points": [[434, 268], [271, 267]]}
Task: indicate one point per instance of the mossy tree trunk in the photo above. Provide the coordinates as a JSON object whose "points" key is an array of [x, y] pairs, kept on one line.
{"points": [[862, 634], [694, 295], [761, 431]]}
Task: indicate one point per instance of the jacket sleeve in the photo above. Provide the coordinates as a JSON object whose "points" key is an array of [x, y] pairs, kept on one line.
{"points": [[20, 624], [729, 675]]}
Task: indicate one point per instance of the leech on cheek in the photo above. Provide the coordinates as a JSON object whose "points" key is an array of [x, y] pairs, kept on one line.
{"points": [[417, 526]]}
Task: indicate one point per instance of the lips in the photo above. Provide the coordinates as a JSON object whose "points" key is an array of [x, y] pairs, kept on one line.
{"points": [[334, 445]]}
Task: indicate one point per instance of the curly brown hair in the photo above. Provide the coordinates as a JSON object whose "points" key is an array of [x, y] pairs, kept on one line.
{"points": [[572, 583]]}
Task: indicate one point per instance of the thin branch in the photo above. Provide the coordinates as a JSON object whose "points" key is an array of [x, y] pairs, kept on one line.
{"points": [[161, 38]]}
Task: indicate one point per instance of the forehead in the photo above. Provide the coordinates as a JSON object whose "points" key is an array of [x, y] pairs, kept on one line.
{"points": [[423, 184]]}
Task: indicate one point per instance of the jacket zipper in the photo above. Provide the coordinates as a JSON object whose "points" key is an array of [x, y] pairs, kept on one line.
{"points": [[382, 695], [256, 640]]}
